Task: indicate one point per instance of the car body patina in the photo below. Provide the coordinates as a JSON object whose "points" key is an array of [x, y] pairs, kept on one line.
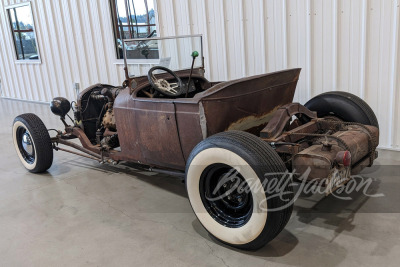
{"points": [[178, 122]]}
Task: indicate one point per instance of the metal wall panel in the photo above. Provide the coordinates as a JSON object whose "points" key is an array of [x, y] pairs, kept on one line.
{"points": [[76, 44], [341, 45]]}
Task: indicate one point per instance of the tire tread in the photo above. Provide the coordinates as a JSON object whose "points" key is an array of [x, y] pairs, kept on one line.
{"points": [[361, 103], [343, 102], [269, 161], [41, 137]]}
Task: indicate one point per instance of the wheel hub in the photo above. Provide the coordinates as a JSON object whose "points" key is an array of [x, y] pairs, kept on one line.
{"points": [[226, 195], [235, 195], [27, 143]]}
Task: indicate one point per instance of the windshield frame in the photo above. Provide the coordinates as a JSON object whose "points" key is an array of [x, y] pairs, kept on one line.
{"points": [[152, 61]]}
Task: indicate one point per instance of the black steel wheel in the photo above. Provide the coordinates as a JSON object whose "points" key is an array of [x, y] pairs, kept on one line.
{"points": [[225, 202], [227, 176], [343, 106], [32, 143]]}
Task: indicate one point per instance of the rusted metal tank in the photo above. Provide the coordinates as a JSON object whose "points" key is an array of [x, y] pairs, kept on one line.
{"points": [[320, 158]]}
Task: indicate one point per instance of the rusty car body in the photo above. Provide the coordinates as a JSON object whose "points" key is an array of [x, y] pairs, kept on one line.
{"points": [[134, 123]]}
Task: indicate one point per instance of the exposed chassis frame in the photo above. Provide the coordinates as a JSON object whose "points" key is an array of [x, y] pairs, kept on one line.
{"points": [[275, 133], [90, 151], [286, 142]]}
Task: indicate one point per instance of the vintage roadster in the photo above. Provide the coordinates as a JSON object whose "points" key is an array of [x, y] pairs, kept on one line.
{"points": [[232, 141]]}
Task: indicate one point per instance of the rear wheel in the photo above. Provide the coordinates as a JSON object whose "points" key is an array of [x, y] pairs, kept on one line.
{"points": [[32, 143], [227, 176], [344, 106]]}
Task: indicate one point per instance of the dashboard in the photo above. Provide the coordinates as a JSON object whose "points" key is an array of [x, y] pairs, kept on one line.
{"points": [[195, 87]]}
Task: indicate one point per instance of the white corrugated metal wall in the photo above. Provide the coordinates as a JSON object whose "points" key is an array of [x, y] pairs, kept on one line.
{"points": [[340, 44], [76, 44]]}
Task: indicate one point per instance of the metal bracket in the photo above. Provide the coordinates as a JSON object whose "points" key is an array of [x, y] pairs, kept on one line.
{"points": [[282, 116]]}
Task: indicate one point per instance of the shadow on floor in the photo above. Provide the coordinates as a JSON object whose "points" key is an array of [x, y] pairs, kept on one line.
{"points": [[333, 212]]}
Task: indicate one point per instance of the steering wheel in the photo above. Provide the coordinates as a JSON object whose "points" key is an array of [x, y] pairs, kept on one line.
{"points": [[163, 86]]}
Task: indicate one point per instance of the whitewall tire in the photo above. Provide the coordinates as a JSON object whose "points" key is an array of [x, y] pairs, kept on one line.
{"points": [[32, 143], [226, 176]]}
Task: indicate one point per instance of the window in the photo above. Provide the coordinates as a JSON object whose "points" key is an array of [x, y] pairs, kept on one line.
{"points": [[134, 19], [23, 32]]}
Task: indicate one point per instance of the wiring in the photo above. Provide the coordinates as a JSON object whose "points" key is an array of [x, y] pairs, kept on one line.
{"points": [[73, 104], [87, 104], [70, 118], [100, 116]]}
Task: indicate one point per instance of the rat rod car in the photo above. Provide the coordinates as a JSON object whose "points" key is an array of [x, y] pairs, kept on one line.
{"points": [[233, 141]]}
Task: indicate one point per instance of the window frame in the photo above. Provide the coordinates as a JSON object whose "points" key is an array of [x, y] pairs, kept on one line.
{"points": [[11, 32], [120, 61]]}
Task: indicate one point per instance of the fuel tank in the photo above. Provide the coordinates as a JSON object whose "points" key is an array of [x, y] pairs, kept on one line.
{"points": [[327, 153]]}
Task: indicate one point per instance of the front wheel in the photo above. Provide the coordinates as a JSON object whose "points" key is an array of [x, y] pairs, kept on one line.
{"points": [[238, 189], [32, 143]]}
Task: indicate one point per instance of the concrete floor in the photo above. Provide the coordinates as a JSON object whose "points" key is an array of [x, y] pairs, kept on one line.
{"points": [[84, 214]]}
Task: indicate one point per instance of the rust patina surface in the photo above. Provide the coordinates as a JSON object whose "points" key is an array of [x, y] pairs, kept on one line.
{"points": [[163, 132]]}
